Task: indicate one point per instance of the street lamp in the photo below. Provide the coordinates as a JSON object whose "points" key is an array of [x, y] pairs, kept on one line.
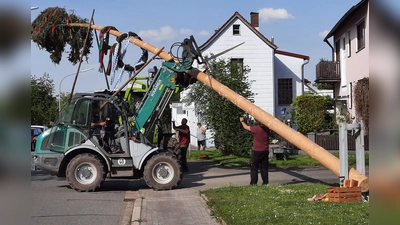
{"points": [[59, 87]]}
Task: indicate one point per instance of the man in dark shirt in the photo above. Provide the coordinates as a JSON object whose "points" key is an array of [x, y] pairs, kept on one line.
{"points": [[259, 153], [184, 142]]}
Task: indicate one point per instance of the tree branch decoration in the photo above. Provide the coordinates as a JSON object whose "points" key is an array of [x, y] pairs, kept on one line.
{"points": [[51, 31], [361, 98]]}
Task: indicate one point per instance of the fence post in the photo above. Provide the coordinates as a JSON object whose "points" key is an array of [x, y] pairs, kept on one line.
{"points": [[343, 151], [360, 151], [311, 136]]}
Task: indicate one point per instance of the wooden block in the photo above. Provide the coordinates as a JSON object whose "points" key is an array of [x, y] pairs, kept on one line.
{"points": [[353, 183], [346, 183], [336, 194]]}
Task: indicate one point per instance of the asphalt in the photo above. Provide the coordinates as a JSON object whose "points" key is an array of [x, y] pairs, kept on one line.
{"points": [[185, 205]]}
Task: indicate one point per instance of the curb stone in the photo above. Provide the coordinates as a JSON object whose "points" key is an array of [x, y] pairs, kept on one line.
{"points": [[136, 212]]}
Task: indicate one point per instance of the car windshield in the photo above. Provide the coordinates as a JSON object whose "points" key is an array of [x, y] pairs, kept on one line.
{"points": [[36, 131]]}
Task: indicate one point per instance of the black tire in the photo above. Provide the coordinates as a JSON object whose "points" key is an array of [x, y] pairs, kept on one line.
{"points": [[163, 172], [85, 173], [174, 148]]}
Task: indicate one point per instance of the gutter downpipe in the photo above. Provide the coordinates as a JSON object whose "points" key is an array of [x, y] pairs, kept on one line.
{"points": [[302, 75], [333, 52]]}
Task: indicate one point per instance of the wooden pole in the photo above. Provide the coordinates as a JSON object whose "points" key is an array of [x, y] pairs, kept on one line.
{"points": [[102, 65], [315, 151], [80, 58]]}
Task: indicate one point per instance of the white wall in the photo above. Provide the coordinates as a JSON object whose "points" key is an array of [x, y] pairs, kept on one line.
{"points": [[257, 55], [288, 67]]}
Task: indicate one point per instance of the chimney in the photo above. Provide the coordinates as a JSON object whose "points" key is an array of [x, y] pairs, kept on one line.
{"points": [[254, 20]]}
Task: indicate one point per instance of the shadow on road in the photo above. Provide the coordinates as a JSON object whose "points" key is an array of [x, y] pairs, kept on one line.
{"points": [[200, 173]]}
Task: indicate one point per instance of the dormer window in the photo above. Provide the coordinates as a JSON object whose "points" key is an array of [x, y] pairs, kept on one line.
{"points": [[236, 29]]}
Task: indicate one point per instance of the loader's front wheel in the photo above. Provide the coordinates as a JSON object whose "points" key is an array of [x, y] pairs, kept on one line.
{"points": [[85, 172], [174, 148], [163, 172]]}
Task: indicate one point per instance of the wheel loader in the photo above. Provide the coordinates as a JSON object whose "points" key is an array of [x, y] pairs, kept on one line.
{"points": [[124, 147]]}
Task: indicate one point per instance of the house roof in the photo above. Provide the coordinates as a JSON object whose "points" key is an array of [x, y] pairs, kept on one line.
{"points": [[237, 15], [346, 16], [292, 54]]}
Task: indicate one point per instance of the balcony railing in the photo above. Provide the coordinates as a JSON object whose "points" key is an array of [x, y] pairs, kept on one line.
{"points": [[327, 72]]}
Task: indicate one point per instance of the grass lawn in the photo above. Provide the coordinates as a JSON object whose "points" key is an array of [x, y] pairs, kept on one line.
{"points": [[282, 204], [279, 204], [292, 161]]}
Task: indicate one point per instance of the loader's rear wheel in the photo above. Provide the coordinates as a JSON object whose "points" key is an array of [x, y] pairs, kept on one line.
{"points": [[85, 172], [163, 172]]}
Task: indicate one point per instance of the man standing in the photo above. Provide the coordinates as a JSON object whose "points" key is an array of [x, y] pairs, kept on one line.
{"points": [[96, 124], [201, 137], [184, 141], [259, 153]]}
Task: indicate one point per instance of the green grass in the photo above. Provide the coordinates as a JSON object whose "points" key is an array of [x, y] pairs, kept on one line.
{"points": [[292, 161], [216, 156], [279, 204], [282, 204]]}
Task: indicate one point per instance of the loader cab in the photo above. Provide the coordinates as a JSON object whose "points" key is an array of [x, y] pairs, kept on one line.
{"points": [[71, 128], [74, 125]]}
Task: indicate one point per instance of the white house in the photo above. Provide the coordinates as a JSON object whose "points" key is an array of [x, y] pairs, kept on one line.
{"points": [[276, 76]]}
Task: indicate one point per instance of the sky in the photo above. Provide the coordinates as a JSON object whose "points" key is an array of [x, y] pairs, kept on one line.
{"points": [[297, 26]]}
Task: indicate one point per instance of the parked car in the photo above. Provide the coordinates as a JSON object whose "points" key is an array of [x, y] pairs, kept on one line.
{"points": [[36, 130]]}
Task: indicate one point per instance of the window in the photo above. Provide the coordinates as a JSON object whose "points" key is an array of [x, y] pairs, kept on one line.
{"points": [[351, 95], [344, 43], [361, 35], [236, 29], [285, 91], [179, 110], [337, 51], [238, 62], [349, 44]]}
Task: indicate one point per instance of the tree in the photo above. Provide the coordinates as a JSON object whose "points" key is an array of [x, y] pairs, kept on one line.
{"points": [[361, 99], [64, 97], [44, 106], [323, 86], [218, 113], [310, 113]]}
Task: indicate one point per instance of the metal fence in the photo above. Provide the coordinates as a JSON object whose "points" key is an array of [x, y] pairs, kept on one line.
{"points": [[328, 142]]}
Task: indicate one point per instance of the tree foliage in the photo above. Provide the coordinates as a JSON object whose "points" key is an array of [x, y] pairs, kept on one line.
{"points": [[361, 99], [310, 113], [44, 107], [218, 113], [166, 116], [323, 86]]}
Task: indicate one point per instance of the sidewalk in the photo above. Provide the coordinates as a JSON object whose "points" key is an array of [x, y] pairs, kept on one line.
{"points": [[184, 205]]}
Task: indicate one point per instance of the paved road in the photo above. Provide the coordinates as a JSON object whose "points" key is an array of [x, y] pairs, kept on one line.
{"points": [[54, 202]]}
